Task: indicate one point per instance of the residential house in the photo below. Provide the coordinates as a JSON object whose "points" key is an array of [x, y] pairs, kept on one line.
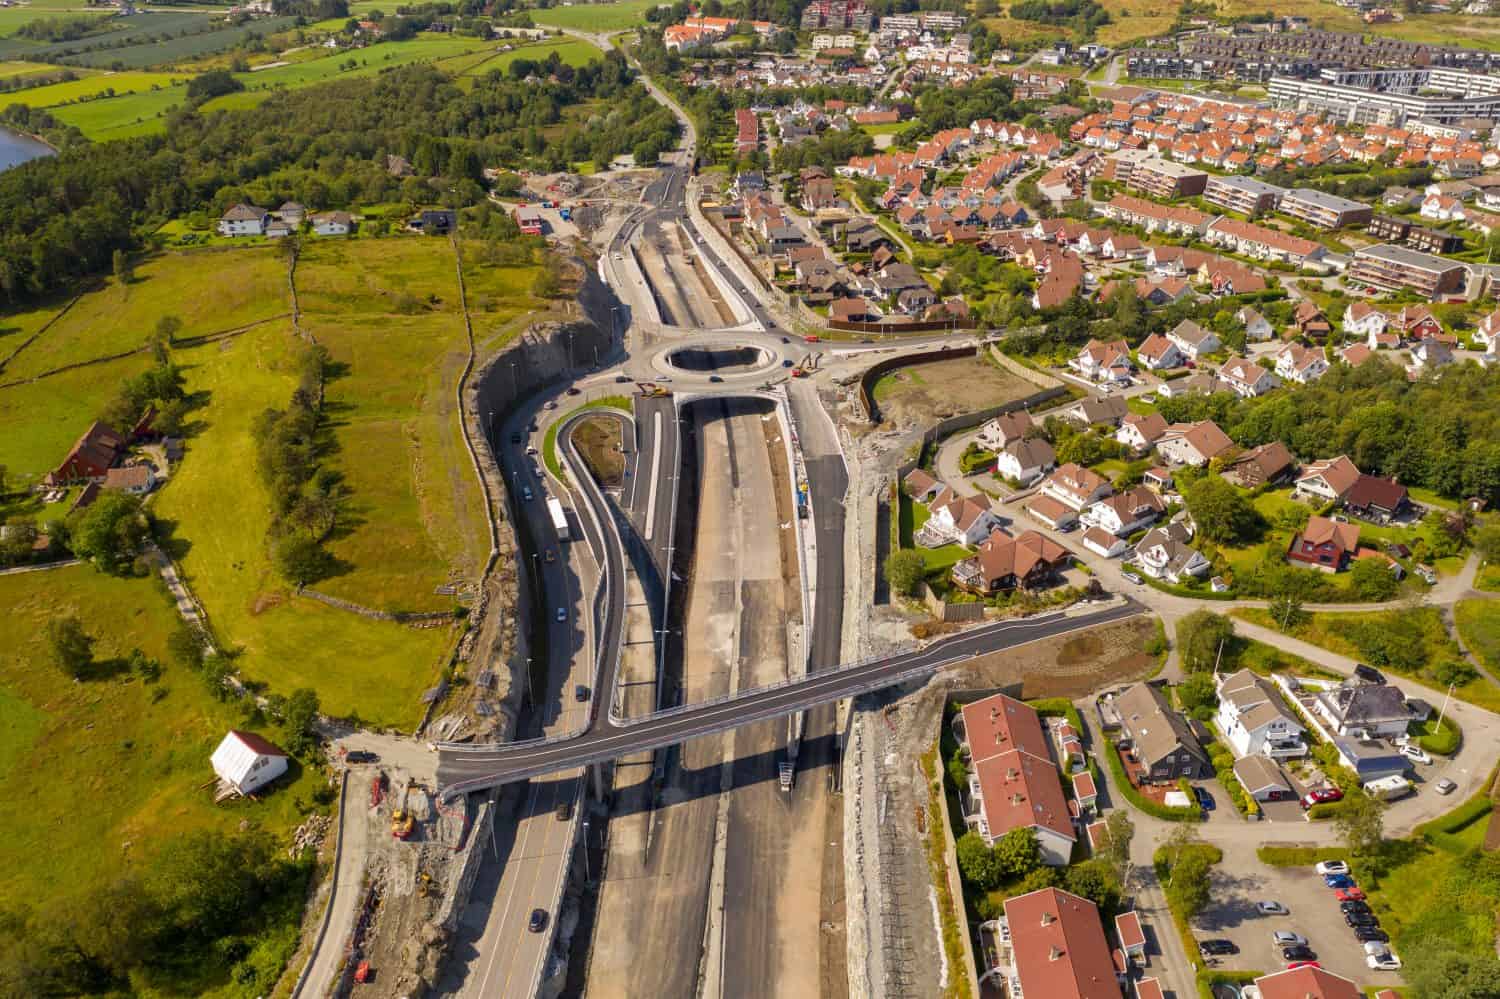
{"points": [[1303, 365], [1158, 353], [1324, 544], [1310, 320], [956, 519], [1262, 779], [1125, 513], [1056, 947], [247, 762], [1487, 333], [1092, 411], [1363, 320], [1326, 481], [1307, 983], [1158, 738], [1266, 464], [1102, 361], [1159, 479], [1193, 340], [91, 457], [1049, 511], [1014, 783], [332, 223], [1247, 378], [1140, 432], [137, 480], [1164, 553], [1193, 444], [1364, 710], [1257, 328], [1376, 499], [1076, 487], [1255, 720], [1025, 460], [1029, 561], [1103, 543], [1416, 322], [244, 220], [1431, 354], [1006, 428], [921, 486], [292, 213]]}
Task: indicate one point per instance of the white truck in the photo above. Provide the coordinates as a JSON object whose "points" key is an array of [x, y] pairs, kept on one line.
{"points": [[559, 518], [1388, 788]]}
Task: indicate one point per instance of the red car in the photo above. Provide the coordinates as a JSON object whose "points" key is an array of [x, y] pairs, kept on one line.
{"points": [[1322, 795], [1355, 894]]}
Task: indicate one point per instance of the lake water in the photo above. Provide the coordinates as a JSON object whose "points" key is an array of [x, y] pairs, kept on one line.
{"points": [[17, 149]]}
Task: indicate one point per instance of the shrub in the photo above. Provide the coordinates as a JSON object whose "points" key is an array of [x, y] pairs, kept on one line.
{"points": [[1122, 783]]}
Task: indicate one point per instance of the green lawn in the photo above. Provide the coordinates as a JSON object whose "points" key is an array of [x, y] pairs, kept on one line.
{"points": [[219, 509], [93, 775], [1478, 624], [11, 70], [90, 87], [209, 290], [599, 17], [12, 18]]}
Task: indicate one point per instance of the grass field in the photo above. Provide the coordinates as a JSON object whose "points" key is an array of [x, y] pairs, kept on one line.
{"points": [[90, 87], [209, 290], [372, 668], [94, 774], [11, 70], [12, 18], [1478, 624], [600, 17]]}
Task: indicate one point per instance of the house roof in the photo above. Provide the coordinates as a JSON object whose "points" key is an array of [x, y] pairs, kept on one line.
{"points": [[1322, 530], [237, 752], [1155, 347], [1149, 425], [1000, 724], [1271, 459], [243, 213], [1258, 772], [918, 481], [1049, 509], [1031, 452], [1106, 409], [1372, 490], [1148, 988], [99, 447], [1083, 785], [1014, 424], [1128, 929], [1059, 946], [1190, 332], [1205, 437], [1019, 791], [1001, 556], [1367, 703], [1157, 730], [133, 477], [1306, 983], [1339, 473]]}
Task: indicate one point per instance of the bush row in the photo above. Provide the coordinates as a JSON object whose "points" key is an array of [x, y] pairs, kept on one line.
{"points": [[1117, 771]]}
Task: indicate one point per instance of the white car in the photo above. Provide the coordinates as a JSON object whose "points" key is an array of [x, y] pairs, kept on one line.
{"points": [[1332, 867], [1383, 962], [1415, 754], [1286, 938], [1376, 947], [1269, 908]]}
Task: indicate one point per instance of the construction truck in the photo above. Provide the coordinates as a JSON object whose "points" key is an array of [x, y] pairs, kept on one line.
{"points": [[651, 390], [402, 820]]}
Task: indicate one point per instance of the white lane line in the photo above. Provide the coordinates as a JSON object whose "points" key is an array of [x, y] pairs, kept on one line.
{"points": [[655, 474]]}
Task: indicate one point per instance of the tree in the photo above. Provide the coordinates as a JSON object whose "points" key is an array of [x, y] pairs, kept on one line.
{"points": [[1434, 971], [977, 862], [1286, 609], [301, 560], [1200, 636], [1372, 579], [1189, 888], [72, 648], [1120, 831], [1221, 512], [299, 720], [1197, 692], [1361, 824], [120, 263], [1486, 535], [111, 532], [1096, 881], [905, 570], [185, 645], [1018, 851]]}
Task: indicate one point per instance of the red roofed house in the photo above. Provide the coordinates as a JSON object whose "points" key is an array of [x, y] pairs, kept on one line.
{"points": [[1307, 983], [1057, 947], [1324, 544], [96, 452], [1132, 937], [1003, 563], [1013, 782]]}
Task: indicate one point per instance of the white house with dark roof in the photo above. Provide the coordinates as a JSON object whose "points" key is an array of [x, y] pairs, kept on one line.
{"points": [[1247, 378], [1026, 460], [1364, 710], [1164, 553], [244, 220]]}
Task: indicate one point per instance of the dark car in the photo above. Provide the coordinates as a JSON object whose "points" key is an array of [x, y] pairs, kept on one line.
{"points": [[787, 362], [622, 379], [1371, 934], [1298, 953], [538, 920], [786, 339], [1205, 800], [564, 811], [1369, 674], [574, 390], [1212, 948], [1353, 906], [361, 756], [1361, 919], [580, 693], [515, 438], [715, 379]]}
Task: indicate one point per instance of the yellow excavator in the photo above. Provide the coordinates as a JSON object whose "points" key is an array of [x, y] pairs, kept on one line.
{"points": [[402, 821]]}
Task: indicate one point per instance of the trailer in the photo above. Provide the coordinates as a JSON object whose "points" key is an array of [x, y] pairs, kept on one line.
{"points": [[559, 518], [1388, 788]]}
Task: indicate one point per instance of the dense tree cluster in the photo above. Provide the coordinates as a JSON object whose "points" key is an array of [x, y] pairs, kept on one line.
{"points": [[63, 217], [61, 29], [1082, 16]]}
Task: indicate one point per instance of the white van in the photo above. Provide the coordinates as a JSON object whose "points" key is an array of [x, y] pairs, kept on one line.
{"points": [[1388, 788]]}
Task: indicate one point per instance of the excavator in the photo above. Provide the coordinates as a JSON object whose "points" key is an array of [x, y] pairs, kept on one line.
{"points": [[402, 820]]}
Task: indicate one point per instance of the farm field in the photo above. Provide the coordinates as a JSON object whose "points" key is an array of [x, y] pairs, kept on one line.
{"points": [[91, 86], [137, 753], [596, 17], [209, 290], [12, 18], [12, 70], [376, 668]]}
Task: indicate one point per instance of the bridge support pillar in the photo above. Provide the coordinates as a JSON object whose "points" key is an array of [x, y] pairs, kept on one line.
{"points": [[596, 780]]}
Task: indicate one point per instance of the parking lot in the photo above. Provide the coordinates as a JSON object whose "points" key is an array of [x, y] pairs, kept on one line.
{"points": [[1240, 882]]}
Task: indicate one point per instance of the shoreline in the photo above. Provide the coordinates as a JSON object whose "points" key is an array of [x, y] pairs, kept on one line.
{"points": [[51, 150]]}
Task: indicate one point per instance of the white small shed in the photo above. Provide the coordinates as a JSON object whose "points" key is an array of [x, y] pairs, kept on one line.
{"points": [[247, 762]]}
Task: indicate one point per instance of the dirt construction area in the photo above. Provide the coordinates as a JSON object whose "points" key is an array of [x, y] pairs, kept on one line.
{"points": [[921, 394], [685, 294]]}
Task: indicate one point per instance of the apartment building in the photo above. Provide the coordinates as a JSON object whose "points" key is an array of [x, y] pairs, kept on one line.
{"points": [[1391, 267], [1245, 195], [1142, 170], [1326, 211], [1262, 243], [1419, 238]]}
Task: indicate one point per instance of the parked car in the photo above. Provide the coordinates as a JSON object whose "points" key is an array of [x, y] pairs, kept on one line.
{"points": [[1368, 934], [574, 390], [1353, 919], [1332, 867], [1286, 938], [1217, 947], [1376, 948], [621, 379], [1369, 674], [1205, 800], [1354, 905], [580, 693], [715, 378], [361, 756], [526, 493], [1269, 908], [538, 920], [1302, 964], [1298, 952], [1415, 753], [1339, 881], [1384, 961], [1350, 894], [1445, 786], [1321, 796], [1132, 578]]}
